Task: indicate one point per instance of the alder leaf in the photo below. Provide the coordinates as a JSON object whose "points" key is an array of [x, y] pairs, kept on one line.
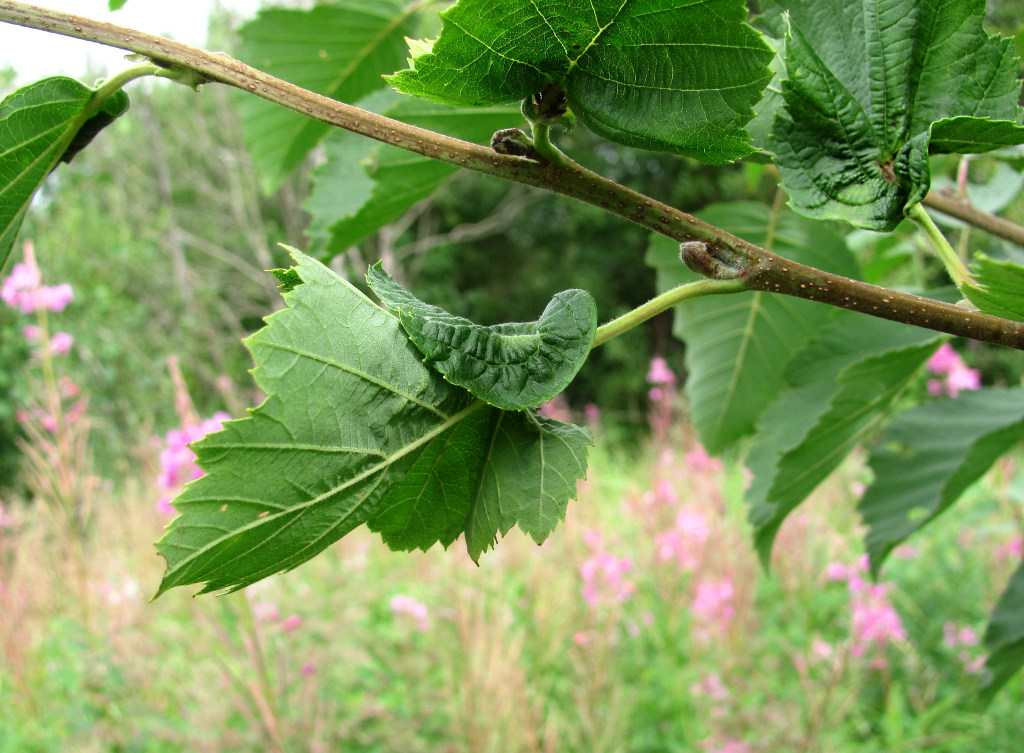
{"points": [[998, 287], [873, 88], [929, 456], [668, 75], [357, 429], [511, 366], [511, 490], [40, 125], [364, 185], [1004, 638], [842, 385], [338, 50], [737, 345]]}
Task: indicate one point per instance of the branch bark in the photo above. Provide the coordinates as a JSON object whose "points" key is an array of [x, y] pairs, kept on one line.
{"points": [[962, 210], [757, 268]]}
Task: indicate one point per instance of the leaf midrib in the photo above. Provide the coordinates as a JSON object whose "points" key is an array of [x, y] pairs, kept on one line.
{"points": [[300, 509]]}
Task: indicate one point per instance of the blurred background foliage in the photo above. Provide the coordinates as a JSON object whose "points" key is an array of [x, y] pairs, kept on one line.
{"points": [[161, 227]]}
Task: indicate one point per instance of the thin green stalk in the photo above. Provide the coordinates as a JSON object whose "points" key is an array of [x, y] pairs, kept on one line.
{"points": [[664, 302], [952, 261], [543, 145]]}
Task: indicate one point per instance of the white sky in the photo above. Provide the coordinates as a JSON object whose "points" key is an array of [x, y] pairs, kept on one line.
{"points": [[38, 54]]}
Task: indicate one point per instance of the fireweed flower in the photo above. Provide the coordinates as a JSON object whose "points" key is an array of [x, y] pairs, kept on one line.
{"points": [[407, 606], [604, 579], [874, 622], [60, 344], [178, 462], [956, 376], [713, 602], [23, 288], [684, 543], [660, 373]]}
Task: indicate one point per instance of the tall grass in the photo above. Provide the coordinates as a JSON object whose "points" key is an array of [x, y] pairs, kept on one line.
{"points": [[644, 624]]}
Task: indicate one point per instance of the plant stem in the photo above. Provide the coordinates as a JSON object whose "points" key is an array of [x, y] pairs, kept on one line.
{"points": [[990, 223], [543, 146], [757, 267], [952, 261], [664, 302]]}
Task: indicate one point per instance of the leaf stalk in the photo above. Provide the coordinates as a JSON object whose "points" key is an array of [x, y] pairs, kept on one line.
{"points": [[950, 258], [664, 302]]}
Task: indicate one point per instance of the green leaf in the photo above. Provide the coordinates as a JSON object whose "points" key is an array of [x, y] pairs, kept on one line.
{"points": [[116, 4], [667, 75], [363, 185], [736, 347], [1004, 638], [511, 490], [929, 456], [842, 384], [39, 125], [998, 287], [511, 366], [356, 428], [873, 88], [337, 50]]}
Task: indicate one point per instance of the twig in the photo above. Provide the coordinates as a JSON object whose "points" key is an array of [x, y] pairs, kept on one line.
{"points": [[757, 268]]}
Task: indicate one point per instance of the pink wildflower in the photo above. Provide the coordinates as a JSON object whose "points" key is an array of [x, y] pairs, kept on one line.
{"points": [[874, 621], [291, 623], [1012, 549], [18, 289], [308, 669], [962, 379], [665, 493], [713, 602], [944, 360], [592, 414], [660, 373], [60, 344], [947, 363], [712, 687], [604, 579], [699, 460], [265, 611], [23, 290], [582, 638], [177, 461], [55, 298], [30, 332], [164, 506], [5, 519], [685, 542], [407, 606], [556, 408], [837, 571]]}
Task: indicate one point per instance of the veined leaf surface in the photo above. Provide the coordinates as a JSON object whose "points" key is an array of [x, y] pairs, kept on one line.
{"points": [[357, 429], [511, 366], [38, 127], [842, 385], [873, 88], [929, 456], [338, 50], [998, 287], [669, 75]]}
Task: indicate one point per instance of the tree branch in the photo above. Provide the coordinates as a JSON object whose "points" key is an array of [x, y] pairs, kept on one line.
{"points": [[962, 210], [757, 268]]}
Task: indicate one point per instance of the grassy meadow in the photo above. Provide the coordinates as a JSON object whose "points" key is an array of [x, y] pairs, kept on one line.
{"points": [[645, 623]]}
